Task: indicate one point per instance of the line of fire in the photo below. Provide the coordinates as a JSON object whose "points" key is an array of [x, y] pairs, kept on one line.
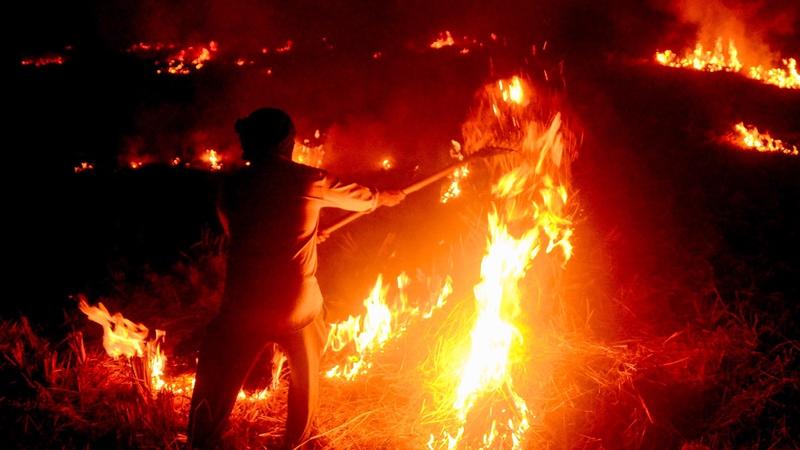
{"points": [[403, 225]]}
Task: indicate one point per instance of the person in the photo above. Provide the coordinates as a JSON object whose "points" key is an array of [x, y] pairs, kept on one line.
{"points": [[270, 214]]}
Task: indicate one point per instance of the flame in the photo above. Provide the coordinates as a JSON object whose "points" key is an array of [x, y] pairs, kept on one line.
{"points": [[83, 166], [454, 188], [387, 164], [530, 196], [286, 47], [213, 159], [383, 321], [42, 61], [719, 59], [786, 78], [121, 337], [308, 154], [749, 138], [180, 62], [444, 40]]}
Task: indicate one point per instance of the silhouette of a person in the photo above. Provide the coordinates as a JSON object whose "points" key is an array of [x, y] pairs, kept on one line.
{"points": [[270, 214]]}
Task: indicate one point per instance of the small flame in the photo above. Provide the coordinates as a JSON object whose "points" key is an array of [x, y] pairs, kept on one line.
{"points": [[383, 321], [83, 166], [308, 154], [213, 159], [42, 61], [444, 40], [387, 164], [121, 337], [183, 61], [286, 47], [454, 188], [749, 138]]}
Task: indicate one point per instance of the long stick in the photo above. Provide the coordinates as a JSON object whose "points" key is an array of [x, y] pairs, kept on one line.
{"points": [[488, 151]]}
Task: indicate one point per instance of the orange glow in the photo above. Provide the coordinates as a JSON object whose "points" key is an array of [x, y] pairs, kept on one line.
{"points": [[444, 40], [748, 137], [721, 59], [387, 164]]}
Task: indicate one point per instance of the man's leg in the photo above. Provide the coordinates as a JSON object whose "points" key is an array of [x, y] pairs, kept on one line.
{"points": [[226, 355], [303, 350]]}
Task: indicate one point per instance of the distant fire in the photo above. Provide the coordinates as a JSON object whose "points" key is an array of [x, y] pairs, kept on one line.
{"points": [[444, 40], [213, 159], [42, 61], [285, 48], [83, 166], [309, 154], [179, 61], [749, 138], [722, 58]]}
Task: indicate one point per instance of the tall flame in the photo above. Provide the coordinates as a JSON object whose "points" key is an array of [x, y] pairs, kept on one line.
{"points": [[531, 195]]}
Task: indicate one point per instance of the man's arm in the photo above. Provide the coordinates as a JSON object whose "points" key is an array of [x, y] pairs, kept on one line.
{"points": [[352, 196]]}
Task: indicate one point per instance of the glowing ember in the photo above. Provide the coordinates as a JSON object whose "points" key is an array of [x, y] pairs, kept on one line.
{"points": [[530, 198], [185, 60], [42, 61], [387, 164], [83, 166], [121, 337], [367, 334], [749, 138], [720, 59], [286, 47], [135, 164], [444, 40], [454, 188], [213, 159]]}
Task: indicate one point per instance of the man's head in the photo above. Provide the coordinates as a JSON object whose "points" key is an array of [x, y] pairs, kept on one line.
{"points": [[266, 133]]}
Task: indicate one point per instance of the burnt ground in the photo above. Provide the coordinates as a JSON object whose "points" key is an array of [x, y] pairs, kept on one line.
{"points": [[678, 232]]}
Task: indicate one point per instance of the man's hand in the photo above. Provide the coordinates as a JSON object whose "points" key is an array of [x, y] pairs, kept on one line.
{"points": [[390, 198]]}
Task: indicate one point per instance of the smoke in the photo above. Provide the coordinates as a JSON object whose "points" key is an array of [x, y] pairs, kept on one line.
{"points": [[759, 29]]}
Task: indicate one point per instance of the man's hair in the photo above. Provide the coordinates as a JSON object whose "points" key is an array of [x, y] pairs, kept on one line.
{"points": [[265, 133]]}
